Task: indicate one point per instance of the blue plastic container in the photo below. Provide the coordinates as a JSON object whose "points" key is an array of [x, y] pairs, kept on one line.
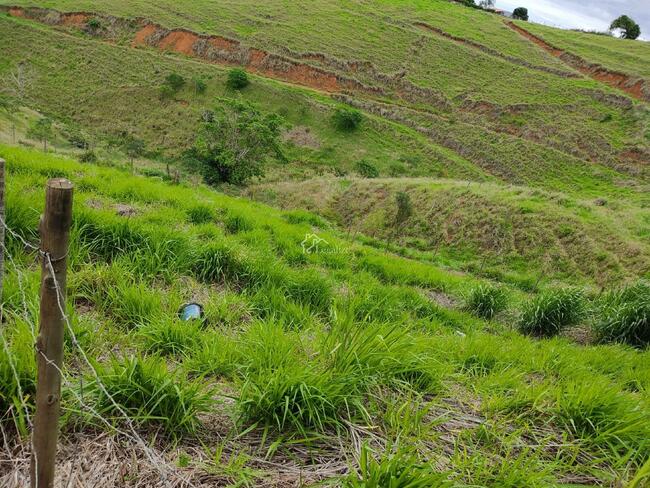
{"points": [[191, 311]]}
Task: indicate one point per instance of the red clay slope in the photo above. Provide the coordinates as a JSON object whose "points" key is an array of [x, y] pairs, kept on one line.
{"points": [[637, 87]]}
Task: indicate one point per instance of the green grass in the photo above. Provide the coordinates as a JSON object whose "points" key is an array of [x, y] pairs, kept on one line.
{"points": [[148, 392], [501, 120], [351, 363], [551, 312], [616, 54]]}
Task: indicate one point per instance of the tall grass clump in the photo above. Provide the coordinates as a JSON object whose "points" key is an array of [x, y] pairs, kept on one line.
{"points": [[200, 214], [605, 418], [625, 316], [217, 355], [236, 223], [298, 398], [150, 394], [400, 469], [552, 311], [485, 301], [171, 336], [132, 305]]}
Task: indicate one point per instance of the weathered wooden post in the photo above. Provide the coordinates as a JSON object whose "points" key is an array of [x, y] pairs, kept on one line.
{"points": [[55, 234], [2, 227]]}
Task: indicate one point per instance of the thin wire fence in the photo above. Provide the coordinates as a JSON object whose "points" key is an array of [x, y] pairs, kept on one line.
{"points": [[122, 425]]}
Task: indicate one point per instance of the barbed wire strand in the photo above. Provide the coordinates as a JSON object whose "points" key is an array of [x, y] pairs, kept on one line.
{"points": [[155, 458]]}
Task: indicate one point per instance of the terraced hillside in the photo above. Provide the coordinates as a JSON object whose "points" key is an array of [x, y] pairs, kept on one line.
{"points": [[497, 100]]}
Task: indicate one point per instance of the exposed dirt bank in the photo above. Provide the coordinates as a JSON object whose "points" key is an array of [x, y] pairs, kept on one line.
{"points": [[216, 49]]}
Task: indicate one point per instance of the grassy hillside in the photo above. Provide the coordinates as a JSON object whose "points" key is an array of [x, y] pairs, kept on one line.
{"points": [[526, 233], [617, 54], [487, 107], [340, 363], [106, 90]]}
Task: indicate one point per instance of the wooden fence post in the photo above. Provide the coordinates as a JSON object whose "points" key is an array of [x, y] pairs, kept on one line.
{"points": [[2, 227], [55, 233]]}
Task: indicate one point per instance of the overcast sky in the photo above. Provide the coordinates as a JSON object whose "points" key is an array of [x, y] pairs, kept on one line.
{"points": [[583, 14]]}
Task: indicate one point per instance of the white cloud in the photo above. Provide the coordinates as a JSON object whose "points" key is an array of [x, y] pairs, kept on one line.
{"points": [[583, 14]]}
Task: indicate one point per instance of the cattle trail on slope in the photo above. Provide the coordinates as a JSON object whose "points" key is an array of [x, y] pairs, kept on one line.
{"points": [[495, 53], [636, 87]]}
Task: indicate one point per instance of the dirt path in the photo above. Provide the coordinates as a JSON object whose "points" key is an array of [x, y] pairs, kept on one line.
{"points": [[636, 87]]}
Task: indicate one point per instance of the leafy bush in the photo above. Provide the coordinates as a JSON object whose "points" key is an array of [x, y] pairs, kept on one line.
{"points": [[551, 312], [166, 92], [347, 119], [629, 29], [237, 79], [625, 316], [199, 85], [367, 169], [149, 393], [234, 145], [93, 25], [175, 81], [88, 157], [486, 301]]}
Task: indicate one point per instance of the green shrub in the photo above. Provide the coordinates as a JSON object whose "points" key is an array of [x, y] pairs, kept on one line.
{"points": [[551, 312], [237, 79], [347, 119], [88, 156], [166, 92], [149, 393], [520, 13], [175, 81], [485, 301], [94, 24], [367, 169], [625, 316], [235, 143], [199, 85]]}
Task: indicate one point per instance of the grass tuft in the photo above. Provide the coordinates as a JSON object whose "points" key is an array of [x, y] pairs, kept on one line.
{"points": [[150, 394], [485, 301], [552, 311], [625, 316]]}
